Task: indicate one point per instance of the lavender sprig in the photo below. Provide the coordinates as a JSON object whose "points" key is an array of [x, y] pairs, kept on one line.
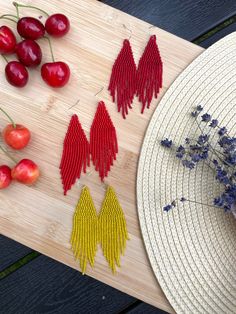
{"points": [[192, 152]]}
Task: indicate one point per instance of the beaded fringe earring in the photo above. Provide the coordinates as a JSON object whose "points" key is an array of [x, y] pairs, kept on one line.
{"points": [[76, 154], [123, 80], [112, 229], [103, 141], [149, 74], [84, 238], [109, 228]]}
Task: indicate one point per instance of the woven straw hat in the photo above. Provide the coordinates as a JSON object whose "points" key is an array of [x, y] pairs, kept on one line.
{"points": [[192, 248]]}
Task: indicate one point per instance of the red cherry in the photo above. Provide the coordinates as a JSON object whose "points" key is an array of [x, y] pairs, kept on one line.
{"points": [[57, 25], [5, 177], [17, 137], [30, 28], [7, 40], [26, 171], [55, 74], [16, 74], [29, 53]]}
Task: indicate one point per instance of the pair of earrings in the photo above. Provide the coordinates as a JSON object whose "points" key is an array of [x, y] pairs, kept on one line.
{"points": [[89, 229], [77, 150], [127, 80]]}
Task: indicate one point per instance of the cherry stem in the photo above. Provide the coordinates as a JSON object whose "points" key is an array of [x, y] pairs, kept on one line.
{"points": [[7, 18], [8, 155], [5, 58], [9, 118], [17, 11], [11, 15], [17, 5], [50, 46]]}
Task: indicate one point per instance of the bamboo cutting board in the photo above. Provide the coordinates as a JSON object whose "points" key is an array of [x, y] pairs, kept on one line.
{"points": [[40, 216]]}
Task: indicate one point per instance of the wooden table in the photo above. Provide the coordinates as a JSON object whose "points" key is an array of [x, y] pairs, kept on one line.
{"points": [[40, 216]]}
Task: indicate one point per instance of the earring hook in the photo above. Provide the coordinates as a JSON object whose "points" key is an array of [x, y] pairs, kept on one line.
{"points": [[77, 102], [102, 88], [128, 29], [104, 186], [149, 29], [80, 184]]}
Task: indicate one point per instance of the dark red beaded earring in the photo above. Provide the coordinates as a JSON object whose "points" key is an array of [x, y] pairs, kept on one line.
{"points": [[103, 141], [76, 154], [123, 80], [149, 74]]}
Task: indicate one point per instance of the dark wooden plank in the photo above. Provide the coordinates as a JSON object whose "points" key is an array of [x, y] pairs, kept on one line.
{"points": [[218, 35], [47, 286], [186, 18], [144, 308], [11, 251]]}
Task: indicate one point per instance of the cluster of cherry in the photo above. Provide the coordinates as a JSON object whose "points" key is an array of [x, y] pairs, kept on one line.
{"points": [[28, 51], [24, 171]]}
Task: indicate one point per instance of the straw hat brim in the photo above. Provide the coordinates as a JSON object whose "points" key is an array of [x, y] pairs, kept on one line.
{"points": [[192, 248]]}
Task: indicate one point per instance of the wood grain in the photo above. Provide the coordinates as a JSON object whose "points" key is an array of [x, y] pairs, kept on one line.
{"points": [[11, 252], [46, 286], [145, 308], [187, 19], [218, 35], [40, 216]]}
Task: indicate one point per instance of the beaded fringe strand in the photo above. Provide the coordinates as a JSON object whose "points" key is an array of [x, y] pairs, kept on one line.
{"points": [[123, 81], [84, 238], [103, 141], [149, 74], [75, 156], [112, 229]]}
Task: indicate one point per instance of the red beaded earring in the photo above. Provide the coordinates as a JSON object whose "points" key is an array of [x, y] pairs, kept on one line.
{"points": [[149, 73], [76, 154], [103, 141], [123, 80]]}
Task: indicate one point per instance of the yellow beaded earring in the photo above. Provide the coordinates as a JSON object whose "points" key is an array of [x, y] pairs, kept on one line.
{"points": [[112, 229], [84, 238], [109, 228]]}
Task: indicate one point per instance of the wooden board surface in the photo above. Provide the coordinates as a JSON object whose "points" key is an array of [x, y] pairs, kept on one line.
{"points": [[40, 216]]}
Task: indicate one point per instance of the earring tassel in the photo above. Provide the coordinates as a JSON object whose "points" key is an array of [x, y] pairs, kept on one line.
{"points": [[103, 141], [112, 229], [122, 85], [76, 154], [84, 237], [149, 74]]}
